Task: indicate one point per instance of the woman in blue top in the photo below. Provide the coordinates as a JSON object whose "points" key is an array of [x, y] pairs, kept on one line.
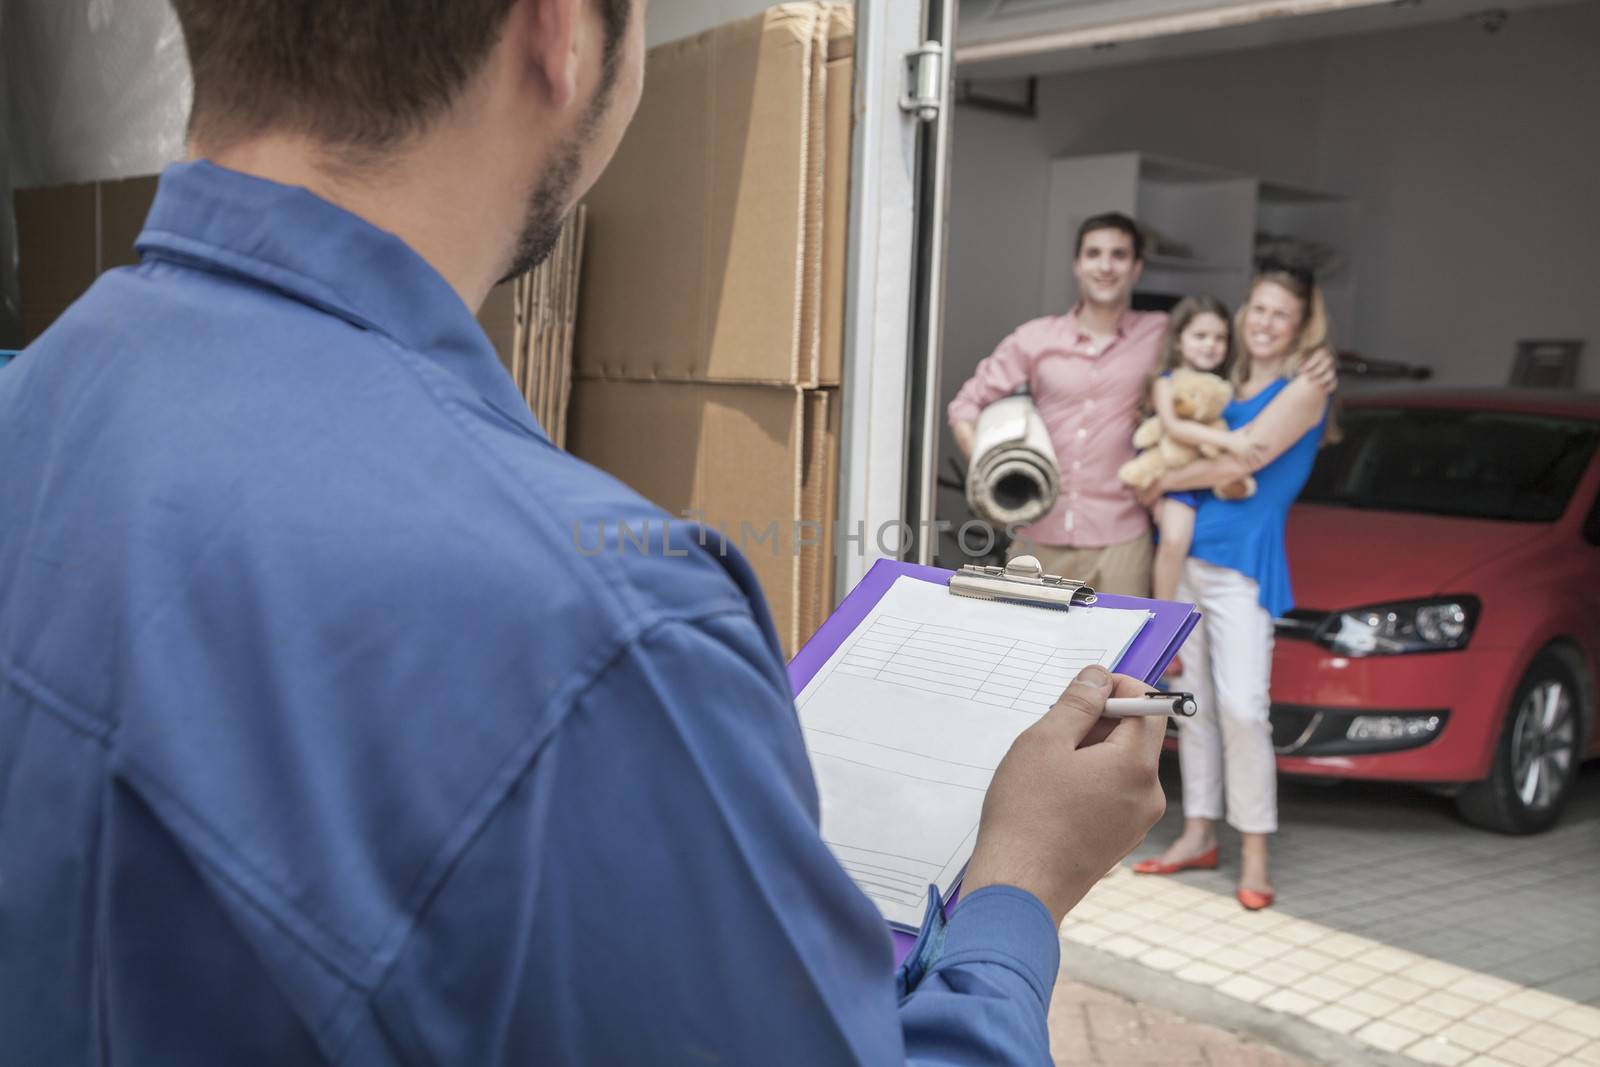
{"points": [[1238, 575]]}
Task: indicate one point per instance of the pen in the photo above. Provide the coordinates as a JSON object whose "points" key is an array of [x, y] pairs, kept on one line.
{"points": [[1181, 704]]}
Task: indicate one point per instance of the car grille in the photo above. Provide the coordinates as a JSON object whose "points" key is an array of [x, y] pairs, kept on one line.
{"points": [[1298, 730], [1292, 727], [1313, 731]]}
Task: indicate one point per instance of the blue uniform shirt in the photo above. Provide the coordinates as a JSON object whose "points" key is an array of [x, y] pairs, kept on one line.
{"points": [[322, 740]]}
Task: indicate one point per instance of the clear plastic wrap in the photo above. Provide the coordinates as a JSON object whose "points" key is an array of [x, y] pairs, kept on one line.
{"points": [[96, 89]]}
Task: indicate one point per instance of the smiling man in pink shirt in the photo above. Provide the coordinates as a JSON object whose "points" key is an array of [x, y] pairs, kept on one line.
{"points": [[1087, 372]]}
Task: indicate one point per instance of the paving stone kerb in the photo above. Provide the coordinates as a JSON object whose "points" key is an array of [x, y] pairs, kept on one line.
{"points": [[1093, 1028]]}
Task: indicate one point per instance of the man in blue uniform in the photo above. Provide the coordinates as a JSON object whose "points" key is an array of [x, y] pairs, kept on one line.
{"points": [[320, 739]]}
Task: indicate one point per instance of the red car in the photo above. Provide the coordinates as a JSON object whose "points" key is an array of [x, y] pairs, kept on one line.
{"points": [[1446, 560]]}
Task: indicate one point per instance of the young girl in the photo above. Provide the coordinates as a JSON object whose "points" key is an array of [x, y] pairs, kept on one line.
{"points": [[1199, 337]]}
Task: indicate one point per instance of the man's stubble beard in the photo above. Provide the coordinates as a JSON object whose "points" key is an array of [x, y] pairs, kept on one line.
{"points": [[547, 204], [547, 211]]}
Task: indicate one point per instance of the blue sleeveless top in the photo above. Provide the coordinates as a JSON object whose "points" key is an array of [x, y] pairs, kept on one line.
{"points": [[1247, 535]]}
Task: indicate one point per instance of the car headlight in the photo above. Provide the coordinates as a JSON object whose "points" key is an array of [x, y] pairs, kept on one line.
{"points": [[1435, 625]]}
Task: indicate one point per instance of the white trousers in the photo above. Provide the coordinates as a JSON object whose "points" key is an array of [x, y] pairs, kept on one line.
{"points": [[1226, 749]]}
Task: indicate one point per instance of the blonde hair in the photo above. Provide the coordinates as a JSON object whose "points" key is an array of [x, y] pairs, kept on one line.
{"points": [[1314, 333]]}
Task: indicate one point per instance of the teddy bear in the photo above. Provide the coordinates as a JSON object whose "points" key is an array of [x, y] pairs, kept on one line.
{"points": [[1198, 397]]}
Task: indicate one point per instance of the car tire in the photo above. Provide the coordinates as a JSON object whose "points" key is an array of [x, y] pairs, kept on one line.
{"points": [[1537, 758]]}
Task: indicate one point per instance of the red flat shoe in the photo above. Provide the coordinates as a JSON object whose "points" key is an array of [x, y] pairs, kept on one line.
{"points": [[1254, 899], [1206, 861]]}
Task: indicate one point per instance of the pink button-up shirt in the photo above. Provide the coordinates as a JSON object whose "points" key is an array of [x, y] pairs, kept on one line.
{"points": [[1088, 394]]}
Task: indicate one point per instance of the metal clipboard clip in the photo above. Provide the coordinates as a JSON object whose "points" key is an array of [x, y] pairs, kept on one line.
{"points": [[1021, 581]]}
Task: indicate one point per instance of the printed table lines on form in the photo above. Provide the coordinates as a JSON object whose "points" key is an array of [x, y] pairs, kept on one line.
{"points": [[884, 874], [985, 668], [890, 887]]}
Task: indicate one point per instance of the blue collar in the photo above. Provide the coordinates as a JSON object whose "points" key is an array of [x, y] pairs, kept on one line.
{"points": [[288, 239]]}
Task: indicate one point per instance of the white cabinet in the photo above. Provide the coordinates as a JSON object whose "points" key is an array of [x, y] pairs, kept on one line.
{"points": [[1319, 226], [1204, 226]]}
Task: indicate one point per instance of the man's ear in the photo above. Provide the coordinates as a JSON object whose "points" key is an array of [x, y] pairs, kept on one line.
{"points": [[552, 45]]}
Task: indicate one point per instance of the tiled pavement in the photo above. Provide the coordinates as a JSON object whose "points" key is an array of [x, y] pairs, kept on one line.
{"points": [[1396, 925], [1395, 865]]}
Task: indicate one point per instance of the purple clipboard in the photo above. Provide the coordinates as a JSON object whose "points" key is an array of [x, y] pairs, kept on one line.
{"points": [[1146, 658]]}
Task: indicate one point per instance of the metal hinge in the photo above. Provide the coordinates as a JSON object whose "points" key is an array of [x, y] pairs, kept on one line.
{"points": [[924, 93]]}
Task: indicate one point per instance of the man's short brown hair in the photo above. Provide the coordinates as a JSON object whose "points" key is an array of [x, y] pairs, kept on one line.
{"points": [[1111, 220], [357, 74]]}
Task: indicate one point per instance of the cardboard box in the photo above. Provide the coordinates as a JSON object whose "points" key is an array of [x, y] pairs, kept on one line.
{"points": [[712, 323], [67, 235], [498, 317], [840, 110], [819, 503], [711, 326], [720, 225], [531, 321], [758, 461]]}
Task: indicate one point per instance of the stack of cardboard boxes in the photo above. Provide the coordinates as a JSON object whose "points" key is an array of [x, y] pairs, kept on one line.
{"points": [[711, 317], [67, 235], [710, 328], [531, 319]]}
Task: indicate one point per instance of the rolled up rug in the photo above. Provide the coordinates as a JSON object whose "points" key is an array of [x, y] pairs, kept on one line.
{"points": [[1013, 479]]}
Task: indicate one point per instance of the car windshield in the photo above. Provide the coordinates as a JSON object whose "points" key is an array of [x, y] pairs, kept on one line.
{"points": [[1471, 464]]}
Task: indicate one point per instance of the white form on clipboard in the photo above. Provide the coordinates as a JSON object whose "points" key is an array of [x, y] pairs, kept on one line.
{"points": [[907, 720]]}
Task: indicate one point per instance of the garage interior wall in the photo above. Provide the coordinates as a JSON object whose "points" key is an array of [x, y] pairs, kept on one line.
{"points": [[1468, 154]]}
